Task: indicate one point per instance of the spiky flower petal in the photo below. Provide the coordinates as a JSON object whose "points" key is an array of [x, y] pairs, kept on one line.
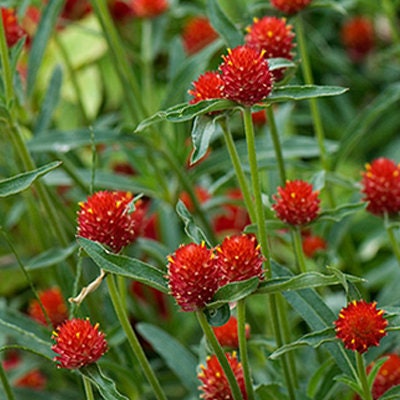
{"points": [[149, 8], [208, 86], [296, 203], [78, 343], [290, 6], [197, 34], [227, 334], [106, 217], [360, 325], [239, 258], [246, 76], [381, 186], [215, 385], [193, 276], [12, 28]]}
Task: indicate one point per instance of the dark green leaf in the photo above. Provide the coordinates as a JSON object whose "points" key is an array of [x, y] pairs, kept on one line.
{"points": [[218, 316], [168, 348], [204, 128], [338, 213], [392, 394], [270, 391], [277, 63], [21, 182], [321, 379], [304, 92], [349, 382], [124, 266], [50, 257]]}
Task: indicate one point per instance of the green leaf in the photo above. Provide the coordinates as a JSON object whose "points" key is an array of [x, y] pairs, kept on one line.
{"points": [[277, 63], [321, 378], [349, 382], [270, 391], [314, 339], [104, 385], [338, 213], [50, 257], [124, 266], [218, 316], [392, 394], [204, 128], [223, 25], [303, 92], [233, 292], [330, 5], [168, 348], [21, 182]]}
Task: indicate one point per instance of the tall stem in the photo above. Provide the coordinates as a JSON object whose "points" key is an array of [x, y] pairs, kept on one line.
{"points": [[147, 59], [88, 388], [362, 376], [132, 338], [6, 383], [209, 333], [296, 237]]}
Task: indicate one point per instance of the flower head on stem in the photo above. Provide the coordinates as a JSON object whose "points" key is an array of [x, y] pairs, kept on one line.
{"points": [[197, 34], [227, 334], [290, 6], [208, 86], [12, 28]]}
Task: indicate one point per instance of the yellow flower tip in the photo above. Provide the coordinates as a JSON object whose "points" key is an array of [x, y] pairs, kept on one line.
{"points": [[81, 204], [218, 374], [229, 50], [90, 210], [341, 315], [396, 173], [170, 259], [96, 326], [270, 34], [255, 19], [354, 302], [293, 195], [77, 335]]}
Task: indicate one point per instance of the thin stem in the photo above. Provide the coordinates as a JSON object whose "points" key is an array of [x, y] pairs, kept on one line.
{"points": [[6, 383], [147, 59], [244, 358], [393, 241], [209, 333], [132, 338], [298, 249], [6, 67], [88, 388], [362, 376]]}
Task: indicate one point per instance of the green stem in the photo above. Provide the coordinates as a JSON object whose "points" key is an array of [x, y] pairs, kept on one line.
{"points": [[393, 241], [6, 383], [132, 338], [298, 249], [209, 333], [88, 388], [390, 12], [362, 376], [244, 358], [6, 68], [147, 59]]}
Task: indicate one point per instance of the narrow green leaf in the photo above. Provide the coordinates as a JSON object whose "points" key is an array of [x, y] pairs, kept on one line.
{"points": [[204, 128], [21, 182], [124, 266], [50, 257], [316, 382], [270, 391], [392, 394], [338, 213], [277, 63], [376, 366], [168, 347], [223, 25], [303, 92], [349, 382]]}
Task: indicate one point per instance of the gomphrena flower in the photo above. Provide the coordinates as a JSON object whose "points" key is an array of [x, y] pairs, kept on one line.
{"points": [[201, 193], [54, 304], [381, 186], [215, 385], [312, 244], [274, 36], [290, 6], [197, 34], [246, 76], [106, 217], [78, 343], [193, 276], [120, 10], [296, 203], [13, 29], [34, 379], [239, 258], [358, 37], [149, 8], [75, 9], [227, 334], [208, 86], [360, 325]]}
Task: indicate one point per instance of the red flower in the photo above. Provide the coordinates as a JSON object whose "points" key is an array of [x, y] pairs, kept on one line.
{"points": [[193, 276], [215, 386], [312, 244], [246, 76], [358, 37], [360, 325], [120, 10], [296, 203], [381, 186], [149, 8], [260, 117], [13, 30], [290, 6], [208, 86], [239, 258], [227, 334], [54, 304], [78, 343], [201, 194], [75, 9], [106, 218], [274, 36], [33, 380], [197, 34]]}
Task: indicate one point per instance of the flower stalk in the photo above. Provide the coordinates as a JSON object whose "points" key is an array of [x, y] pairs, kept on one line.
{"points": [[362, 376]]}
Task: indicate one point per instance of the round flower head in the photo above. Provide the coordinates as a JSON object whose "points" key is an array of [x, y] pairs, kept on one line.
{"points": [[360, 325], [290, 6], [13, 30], [312, 244], [239, 258], [75, 9], [78, 343], [120, 10], [215, 385], [54, 304], [197, 34], [33, 379], [296, 203], [208, 86], [149, 8], [381, 186], [193, 276], [106, 218], [246, 76], [227, 334], [274, 36]]}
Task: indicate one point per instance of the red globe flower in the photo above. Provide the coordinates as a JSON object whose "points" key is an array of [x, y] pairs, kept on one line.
{"points": [[120, 10], [312, 244], [54, 304], [239, 258], [381, 186], [106, 218], [78, 343], [201, 193], [227, 334], [193, 276], [215, 385], [149, 8], [13, 29], [208, 86], [33, 379], [274, 36], [246, 76], [290, 6], [75, 9], [360, 325], [197, 34]]}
